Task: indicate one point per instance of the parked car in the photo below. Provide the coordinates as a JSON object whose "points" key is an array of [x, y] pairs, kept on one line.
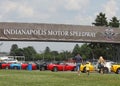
{"points": [[24, 66], [4, 65], [42, 66], [116, 68], [107, 66], [1, 64], [15, 65], [61, 67], [83, 67], [34, 66]]}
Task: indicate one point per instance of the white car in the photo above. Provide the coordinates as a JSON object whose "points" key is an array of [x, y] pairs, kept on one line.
{"points": [[107, 66]]}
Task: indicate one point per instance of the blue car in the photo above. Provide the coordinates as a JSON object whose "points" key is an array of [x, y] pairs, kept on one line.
{"points": [[15, 66]]}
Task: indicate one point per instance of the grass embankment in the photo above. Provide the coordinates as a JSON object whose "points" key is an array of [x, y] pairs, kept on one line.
{"points": [[48, 78]]}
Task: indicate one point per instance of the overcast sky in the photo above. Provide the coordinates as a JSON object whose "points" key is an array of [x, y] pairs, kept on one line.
{"points": [[78, 12]]}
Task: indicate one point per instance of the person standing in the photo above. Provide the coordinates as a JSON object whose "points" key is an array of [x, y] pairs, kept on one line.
{"points": [[78, 59], [101, 63]]}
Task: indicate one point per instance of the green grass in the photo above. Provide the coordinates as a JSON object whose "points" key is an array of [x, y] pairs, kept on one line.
{"points": [[48, 78]]}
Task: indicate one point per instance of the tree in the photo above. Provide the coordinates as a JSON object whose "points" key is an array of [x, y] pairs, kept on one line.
{"points": [[98, 49], [54, 55], [29, 53], [114, 22], [101, 20], [76, 50], [47, 50], [13, 49], [47, 54], [39, 56], [101, 49], [85, 51], [19, 52]]}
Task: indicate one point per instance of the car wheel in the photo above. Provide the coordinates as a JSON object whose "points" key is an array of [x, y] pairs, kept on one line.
{"points": [[43, 68], [74, 69], [105, 70], [0, 67], [99, 70], [118, 71], [6, 68], [84, 70], [55, 69], [15, 68]]}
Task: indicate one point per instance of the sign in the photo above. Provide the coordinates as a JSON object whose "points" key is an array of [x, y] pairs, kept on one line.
{"points": [[57, 32]]}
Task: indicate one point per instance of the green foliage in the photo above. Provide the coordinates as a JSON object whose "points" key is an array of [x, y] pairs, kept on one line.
{"points": [[19, 52], [47, 50], [38, 57], [101, 20], [85, 51], [54, 55], [13, 49], [29, 53], [102, 49], [114, 22], [76, 50]]}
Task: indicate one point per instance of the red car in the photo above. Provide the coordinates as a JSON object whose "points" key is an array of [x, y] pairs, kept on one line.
{"points": [[34, 66], [61, 67], [24, 66], [4, 65]]}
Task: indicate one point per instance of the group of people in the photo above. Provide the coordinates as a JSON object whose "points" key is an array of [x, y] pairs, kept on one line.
{"points": [[78, 59]]}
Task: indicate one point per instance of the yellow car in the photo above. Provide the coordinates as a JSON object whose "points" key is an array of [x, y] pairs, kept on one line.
{"points": [[87, 64], [115, 68]]}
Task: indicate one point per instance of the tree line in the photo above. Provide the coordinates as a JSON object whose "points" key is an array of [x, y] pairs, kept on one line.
{"points": [[87, 50]]}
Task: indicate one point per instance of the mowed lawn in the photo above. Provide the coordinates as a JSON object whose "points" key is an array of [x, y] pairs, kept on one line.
{"points": [[48, 78]]}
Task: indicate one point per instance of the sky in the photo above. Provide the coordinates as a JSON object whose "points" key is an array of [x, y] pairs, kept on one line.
{"points": [[76, 12]]}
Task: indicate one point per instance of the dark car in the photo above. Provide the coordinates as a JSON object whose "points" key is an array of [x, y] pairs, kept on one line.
{"points": [[42, 66]]}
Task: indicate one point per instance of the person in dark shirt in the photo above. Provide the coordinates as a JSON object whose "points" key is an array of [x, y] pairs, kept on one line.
{"points": [[78, 59]]}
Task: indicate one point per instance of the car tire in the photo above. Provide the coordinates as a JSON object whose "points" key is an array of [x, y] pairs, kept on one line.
{"points": [[42, 68], [0, 66], [55, 69], [84, 70], [105, 70], [15, 67], [6, 68], [118, 71], [74, 69]]}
